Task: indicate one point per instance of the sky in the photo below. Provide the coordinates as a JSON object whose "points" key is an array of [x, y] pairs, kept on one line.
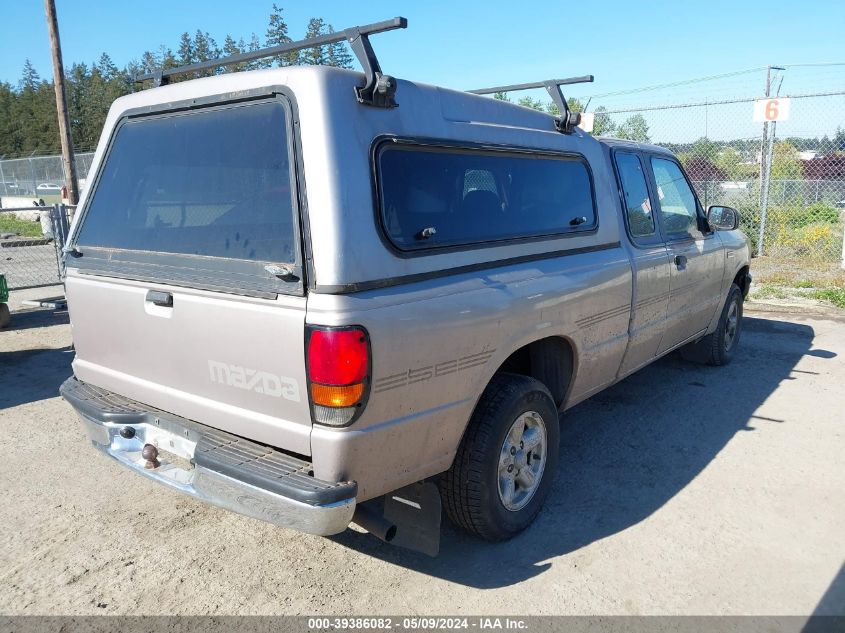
{"points": [[468, 44]]}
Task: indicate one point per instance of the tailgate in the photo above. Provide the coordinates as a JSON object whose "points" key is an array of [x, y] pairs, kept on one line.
{"points": [[184, 280], [233, 363]]}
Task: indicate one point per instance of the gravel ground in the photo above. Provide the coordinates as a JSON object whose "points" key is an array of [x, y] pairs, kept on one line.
{"points": [[682, 490]]}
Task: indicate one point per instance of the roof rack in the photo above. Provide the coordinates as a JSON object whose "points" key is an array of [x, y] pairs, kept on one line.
{"points": [[378, 90], [567, 119]]}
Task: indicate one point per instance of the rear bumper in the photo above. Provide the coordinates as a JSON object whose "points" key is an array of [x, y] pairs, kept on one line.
{"points": [[215, 467]]}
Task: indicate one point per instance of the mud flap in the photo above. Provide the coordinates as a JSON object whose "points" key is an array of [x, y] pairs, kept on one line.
{"points": [[415, 511]]}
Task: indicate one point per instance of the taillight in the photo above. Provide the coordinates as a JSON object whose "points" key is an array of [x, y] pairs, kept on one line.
{"points": [[338, 362]]}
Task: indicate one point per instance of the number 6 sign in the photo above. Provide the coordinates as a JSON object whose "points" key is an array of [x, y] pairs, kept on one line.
{"points": [[771, 110]]}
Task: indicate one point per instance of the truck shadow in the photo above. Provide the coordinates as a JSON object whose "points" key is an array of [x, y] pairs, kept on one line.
{"points": [[30, 375], [624, 454], [37, 317]]}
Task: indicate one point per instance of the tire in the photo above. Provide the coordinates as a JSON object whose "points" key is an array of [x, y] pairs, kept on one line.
{"points": [[719, 347], [5, 315], [474, 495]]}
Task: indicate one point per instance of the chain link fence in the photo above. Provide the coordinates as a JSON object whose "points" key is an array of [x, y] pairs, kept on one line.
{"points": [[31, 242], [39, 177], [788, 187]]}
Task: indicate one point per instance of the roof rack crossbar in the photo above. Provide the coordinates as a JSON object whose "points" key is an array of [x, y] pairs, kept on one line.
{"points": [[567, 119], [378, 89]]}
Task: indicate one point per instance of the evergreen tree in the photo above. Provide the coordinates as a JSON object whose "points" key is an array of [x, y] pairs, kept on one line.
{"points": [[166, 58], [28, 120], [185, 53], [230, 47], [30, 78], [254, 45], [317, 55], [339, 54], [106, 67], [838, 140], [277, 34], [205, 47], [149, 62]]}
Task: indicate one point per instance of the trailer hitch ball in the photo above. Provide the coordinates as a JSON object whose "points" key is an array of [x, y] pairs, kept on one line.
{"points": [[150, 454]]}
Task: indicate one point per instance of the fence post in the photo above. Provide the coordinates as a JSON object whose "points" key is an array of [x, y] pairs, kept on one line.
{"points": [[59, 221], [764, 192], [843, 247]]}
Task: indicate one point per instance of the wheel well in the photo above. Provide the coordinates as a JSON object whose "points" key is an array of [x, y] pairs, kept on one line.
{"points": [[549, 360], [742, 281]]}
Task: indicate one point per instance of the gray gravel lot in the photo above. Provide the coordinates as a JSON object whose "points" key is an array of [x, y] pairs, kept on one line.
{"points": [[682, 490]]}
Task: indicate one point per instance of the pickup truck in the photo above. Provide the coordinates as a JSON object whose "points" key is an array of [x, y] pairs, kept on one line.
{"points": [[315, 309]]}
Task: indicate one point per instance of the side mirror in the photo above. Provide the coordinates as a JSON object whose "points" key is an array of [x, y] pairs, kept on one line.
{"points": [[722, 218]]}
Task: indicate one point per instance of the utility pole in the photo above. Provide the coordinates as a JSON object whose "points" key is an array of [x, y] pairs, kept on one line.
{"points": [[68, 161]]}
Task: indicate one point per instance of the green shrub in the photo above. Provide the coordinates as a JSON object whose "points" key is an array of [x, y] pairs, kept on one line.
{"points": [[817, 212], [835, 295]]}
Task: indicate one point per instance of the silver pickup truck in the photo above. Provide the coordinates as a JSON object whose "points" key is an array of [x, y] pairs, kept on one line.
{"points": [[315, 296]]}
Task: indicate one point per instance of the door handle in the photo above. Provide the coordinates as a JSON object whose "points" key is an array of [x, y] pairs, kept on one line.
{"points": [[156, 297], [681, 261]]}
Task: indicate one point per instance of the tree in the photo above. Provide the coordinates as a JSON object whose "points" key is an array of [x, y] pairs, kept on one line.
{"points": [[603, 125], [106, 67], [634, 128], [277, 34], [254, 45], [530, 102], [205, 49], [786, 163], [839, 140], [501, 96], [339, 54], [149, 62], [28, 120], [230, 47], [185, 52], [317, 55], [166, 58], [705, 147], [729, 161], [30, 78]]}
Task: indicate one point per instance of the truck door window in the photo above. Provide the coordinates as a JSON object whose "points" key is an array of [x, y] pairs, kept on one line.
{"points": [[638, 211], [678, 210]]}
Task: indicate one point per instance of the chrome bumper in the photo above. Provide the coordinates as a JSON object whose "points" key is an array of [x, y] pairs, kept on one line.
{"points": [[180, 466]]}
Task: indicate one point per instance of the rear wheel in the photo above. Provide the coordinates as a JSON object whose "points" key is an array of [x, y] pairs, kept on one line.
{"points": [[506, 461], [718, 348], [5, 315]]}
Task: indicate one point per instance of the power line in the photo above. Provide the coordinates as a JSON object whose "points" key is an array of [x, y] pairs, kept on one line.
{"points": [[675, 84]]}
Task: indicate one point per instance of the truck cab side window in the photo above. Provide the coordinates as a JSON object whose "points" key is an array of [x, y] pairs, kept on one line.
{"points": [[678, 210], [638, 210]]}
